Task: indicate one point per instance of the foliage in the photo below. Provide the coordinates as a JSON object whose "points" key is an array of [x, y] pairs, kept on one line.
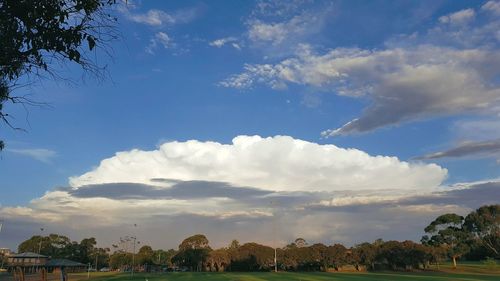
{"points": [[484, 225], [59, 246], [448, 232], [193, 252], [36, 35], [490, 263], [120, 260], [145, 255]]}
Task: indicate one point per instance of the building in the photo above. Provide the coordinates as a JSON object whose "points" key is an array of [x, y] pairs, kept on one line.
{"points": [[32, 263], [27, 259]]}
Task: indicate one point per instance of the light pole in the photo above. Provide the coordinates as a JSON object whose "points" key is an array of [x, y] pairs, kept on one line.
{"points": [[274, 230], [96, 255], [39, 248], [1, 224], [133, 253]]}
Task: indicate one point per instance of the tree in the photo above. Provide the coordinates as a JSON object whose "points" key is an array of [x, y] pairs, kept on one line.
{"points": [[300, 242], [162, 257], [319, 258], [366, 254], [447, 232], [253, 257], [193, 252], [87, 250], [37, 35], [54, 245], [145, 255], [484, 225], [235, 244], [120, 260], [218, 260], [60, 246]]}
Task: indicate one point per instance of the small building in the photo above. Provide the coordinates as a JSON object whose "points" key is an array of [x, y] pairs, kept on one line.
{"points": [[32, 263], [27, 259]]}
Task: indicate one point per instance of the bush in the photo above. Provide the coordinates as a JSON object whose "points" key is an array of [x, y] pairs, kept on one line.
{"points": [[490, 263]]}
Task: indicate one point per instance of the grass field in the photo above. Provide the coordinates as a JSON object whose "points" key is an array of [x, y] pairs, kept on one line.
{"points": [[469, 272]]}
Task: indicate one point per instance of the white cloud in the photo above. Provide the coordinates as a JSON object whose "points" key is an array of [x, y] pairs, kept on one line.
{"points": [[460, 17], [278, 27], [278, 32], [279, 163], [451, 69], [153, 17], [218, 43], [40, 154], [156, 17], [403, 83], [221, 42], [492, 6], [160, 39], [236, 46]]}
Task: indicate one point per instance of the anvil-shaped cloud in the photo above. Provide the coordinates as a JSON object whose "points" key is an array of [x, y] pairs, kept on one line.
{"points": [[279, 163]]}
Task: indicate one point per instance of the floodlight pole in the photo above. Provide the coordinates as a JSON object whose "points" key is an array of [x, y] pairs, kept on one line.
{"points": [[39, 248], [1, 224], [133, 255], [275, 260], [275, 249]]}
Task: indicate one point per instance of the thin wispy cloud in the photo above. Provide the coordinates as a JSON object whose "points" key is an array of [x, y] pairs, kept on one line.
{"points": [[276, 27], [483, 148], [159, 40], [232, 41], [157, 17], [39, 154]]}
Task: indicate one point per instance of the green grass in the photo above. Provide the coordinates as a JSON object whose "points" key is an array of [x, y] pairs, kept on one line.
{"points": [[290, 276]]}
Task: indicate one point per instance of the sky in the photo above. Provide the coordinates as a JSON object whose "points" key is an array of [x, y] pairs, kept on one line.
{"points": [[335, 121]]}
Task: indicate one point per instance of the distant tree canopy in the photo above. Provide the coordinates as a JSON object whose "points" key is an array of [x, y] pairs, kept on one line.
{"points": [[36, 35], [59, 246], [451, 237]]}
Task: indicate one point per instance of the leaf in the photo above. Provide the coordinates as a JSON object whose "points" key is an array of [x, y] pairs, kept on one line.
{"points": [[91, 42]]}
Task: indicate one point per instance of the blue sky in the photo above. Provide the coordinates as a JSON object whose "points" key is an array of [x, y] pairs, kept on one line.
{"points": [[415, 80]]}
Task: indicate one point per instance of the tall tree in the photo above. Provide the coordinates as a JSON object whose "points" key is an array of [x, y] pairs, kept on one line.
{"points": [[447, 232], [145, 255], [366, 254], [193, 252], [484, 224]]}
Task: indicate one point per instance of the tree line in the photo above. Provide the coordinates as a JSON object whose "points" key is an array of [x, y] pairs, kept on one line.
{"points": [[448, 237]]}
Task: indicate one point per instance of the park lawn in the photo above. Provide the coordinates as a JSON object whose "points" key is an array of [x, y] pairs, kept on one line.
{"points": [[287, 276]]}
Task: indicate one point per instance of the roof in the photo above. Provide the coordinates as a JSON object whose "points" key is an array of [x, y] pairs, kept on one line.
{"points": [[63, 262], [27, 255]]}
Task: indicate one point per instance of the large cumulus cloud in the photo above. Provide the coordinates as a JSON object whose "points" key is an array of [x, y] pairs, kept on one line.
{"points": [[278, 163]]}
